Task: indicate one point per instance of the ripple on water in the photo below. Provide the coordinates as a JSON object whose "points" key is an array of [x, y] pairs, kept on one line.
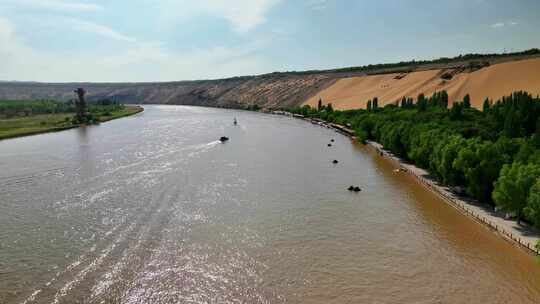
{"points": [[154, 210]]}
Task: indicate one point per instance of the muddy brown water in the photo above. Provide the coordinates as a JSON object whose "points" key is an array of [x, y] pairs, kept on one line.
{"points": [[154, 209]]}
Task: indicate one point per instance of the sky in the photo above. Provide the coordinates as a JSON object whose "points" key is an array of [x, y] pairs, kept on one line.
{"points": [[169, 40]]}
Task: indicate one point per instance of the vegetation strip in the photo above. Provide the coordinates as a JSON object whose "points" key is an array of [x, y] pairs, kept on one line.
{"points": [[23, 118]]}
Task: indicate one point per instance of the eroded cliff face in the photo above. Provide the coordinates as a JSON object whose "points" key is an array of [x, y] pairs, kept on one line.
{"points": [[270, 91]]}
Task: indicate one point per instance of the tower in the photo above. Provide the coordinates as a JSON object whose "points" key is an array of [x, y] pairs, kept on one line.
{"points": [[81, 105]]}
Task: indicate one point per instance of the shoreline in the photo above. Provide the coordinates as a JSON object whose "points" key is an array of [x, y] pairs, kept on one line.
{"points": [[137, 110], [523, 236]]}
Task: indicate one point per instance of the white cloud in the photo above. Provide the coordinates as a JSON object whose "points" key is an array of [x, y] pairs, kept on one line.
{"points": [[97, 29], [10, 46], [59, 5], [318, 5], [6, 29], [243, 15], [503, 24], [142, 61]]}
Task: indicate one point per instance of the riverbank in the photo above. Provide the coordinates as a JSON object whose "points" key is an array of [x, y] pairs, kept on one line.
{"points": [[128, 111], [38, 124], [523, 235]]}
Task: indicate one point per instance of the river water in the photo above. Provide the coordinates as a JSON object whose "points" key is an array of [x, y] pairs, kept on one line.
{"points": [[153, 209]]}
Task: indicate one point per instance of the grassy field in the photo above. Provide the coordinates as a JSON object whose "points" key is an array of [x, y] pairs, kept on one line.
{"points": [[127, 111], [16, 127]]}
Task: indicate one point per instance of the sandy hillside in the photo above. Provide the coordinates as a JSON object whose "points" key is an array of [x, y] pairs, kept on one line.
{"points": [[493, 82]]}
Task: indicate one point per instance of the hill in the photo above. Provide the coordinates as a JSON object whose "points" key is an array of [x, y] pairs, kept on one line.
{"points": [[492, 82], [345, 87]]}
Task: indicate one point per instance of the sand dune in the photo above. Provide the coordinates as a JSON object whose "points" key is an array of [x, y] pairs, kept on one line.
{"points": [[493, 82]]}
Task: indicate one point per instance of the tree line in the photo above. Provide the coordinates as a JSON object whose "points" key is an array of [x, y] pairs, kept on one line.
{"points": [[480, 58], [24, 108], [493, 153]]}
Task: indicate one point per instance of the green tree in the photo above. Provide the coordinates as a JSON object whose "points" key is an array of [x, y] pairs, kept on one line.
{"points": [[449, 174], [319, 105], [329, 107], [481, 162], [436, 156], [421, 102], [486, 106], [375, 104], [467, 102], [532, 210], [512, 189], [410, 102], [422, 143], [512, 124], [444, 100], [305, 110], [369, 105], [528, 152], [456, 113]]}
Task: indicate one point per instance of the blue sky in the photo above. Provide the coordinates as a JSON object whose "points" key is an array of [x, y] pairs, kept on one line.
{"points": [[165, 40]]}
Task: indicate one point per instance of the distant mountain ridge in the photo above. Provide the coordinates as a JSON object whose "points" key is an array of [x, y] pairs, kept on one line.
{"points": [[274, 90]]}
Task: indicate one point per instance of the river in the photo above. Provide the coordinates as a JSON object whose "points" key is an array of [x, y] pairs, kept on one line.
{"points": [[154, 209]]}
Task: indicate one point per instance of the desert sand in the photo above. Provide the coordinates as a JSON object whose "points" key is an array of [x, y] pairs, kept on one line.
{"points": [[494, 82]]}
